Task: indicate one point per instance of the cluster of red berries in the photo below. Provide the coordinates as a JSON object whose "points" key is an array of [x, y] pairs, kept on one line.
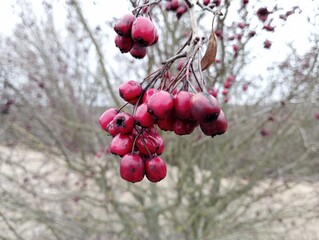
{"points": [[135, 34], [176, 6], [135, 136]]}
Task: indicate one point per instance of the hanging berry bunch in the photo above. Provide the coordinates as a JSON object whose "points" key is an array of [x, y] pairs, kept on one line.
{"points": [[178, 104], [136, 32]]}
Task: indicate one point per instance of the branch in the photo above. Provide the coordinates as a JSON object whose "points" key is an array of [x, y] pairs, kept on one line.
{"points": [[99, 53]]}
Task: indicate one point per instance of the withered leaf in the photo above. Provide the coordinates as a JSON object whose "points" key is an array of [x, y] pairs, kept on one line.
{"points": [[210, 54]]}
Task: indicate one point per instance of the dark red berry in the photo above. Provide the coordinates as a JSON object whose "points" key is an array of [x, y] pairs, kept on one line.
{"points": [[130, 91], [217, 127], [267, 44], [184, 127], [132, 168], [143, 31], [206, 2], [124, 122], [263, 13], [204, 107], [146, 144], [138, 51], [182, 107], [124, 25], [107, 117], [121, 144], [167, 124], [143, 117], [155, 169], [160, 104], [125, 44]]}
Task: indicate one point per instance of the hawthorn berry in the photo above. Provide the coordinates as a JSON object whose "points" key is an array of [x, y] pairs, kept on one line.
{"points": [[138, 51], [124, 123], [125, 44], [143, 31], [124, 25], [217, 127], [204, 107], [132, 168], [121, 144], [160, 104], [107, 117], [155, 169], [130, 91]]}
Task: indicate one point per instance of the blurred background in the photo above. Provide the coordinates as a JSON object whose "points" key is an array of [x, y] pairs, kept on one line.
{"points": [[60, 70]]}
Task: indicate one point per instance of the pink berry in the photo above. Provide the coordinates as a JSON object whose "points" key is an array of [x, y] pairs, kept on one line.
{"points": [[124, 25], [121, 144], [160, 104], [317, 115], [143, 117], [204, 107], [217, 127], [130, 91], [149, 92], [155, 169], [125, 44], [227, 84], [107, 117], [143, 31], [138, 51], [132, 168], [182, 107], [181, 10]]}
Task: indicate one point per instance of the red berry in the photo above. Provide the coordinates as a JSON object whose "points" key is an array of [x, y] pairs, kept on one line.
{"points": [[216, 2], [143, 117], [138, 51], [181, 10], [166, 124], [217, 127], [112, 129], [160, 104], [235, 48], [124, 122], [174, 5], [265, 132], [107, 117], [213, 92], [130, 91], [125, 44], [161, 144], [155, 169], [122, 144], [225, 91], [227, 84], [143, 31], [267, 44], [263, 13], [182, 107], [132, 168], [150, 92], [204, 107], [146, 144], [184, 127], [124, 25], [206, 2], [317, 115]]}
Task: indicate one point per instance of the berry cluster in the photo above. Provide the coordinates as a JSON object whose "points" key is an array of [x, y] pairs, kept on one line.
{"points": [[176, 6], [135, 136], [135, 34]]}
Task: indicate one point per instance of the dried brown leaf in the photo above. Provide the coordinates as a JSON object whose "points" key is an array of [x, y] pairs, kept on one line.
{"points": [[210, 54]]}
